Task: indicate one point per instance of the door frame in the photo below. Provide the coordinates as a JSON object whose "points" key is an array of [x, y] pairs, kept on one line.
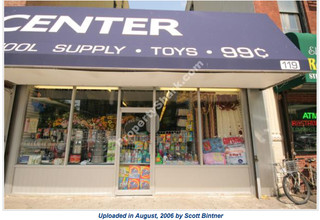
{"points": [[122, 110]]}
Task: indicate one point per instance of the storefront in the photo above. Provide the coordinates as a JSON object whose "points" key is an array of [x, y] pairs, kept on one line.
{"points": [[298, 103], [133, 102]]}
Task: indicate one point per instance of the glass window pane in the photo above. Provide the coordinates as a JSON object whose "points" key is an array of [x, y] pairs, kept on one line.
{"points": [[45, 129], [136, 98], [222, 129], [288, 6], [134, 169], [290, 23], [177, 138], [94, 127], [303, 119]]}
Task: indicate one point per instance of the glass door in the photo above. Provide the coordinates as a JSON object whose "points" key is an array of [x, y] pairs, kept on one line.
{"points": [[134, 176]]}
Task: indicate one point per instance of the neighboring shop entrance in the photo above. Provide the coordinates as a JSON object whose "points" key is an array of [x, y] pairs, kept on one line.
{"points": [[136, 151]]}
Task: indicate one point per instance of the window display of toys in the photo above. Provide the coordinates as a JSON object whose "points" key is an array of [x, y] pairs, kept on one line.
{"points": [[48, 144], [221, 151], [214, 158], [74, 159], [175, 147], [135, 149]]}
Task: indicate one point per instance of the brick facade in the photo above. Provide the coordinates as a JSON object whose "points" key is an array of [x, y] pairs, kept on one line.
{"points": [[14, 3], [271, 9], [310, 8], [301, 97]]}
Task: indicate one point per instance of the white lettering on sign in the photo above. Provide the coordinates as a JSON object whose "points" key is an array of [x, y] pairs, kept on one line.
{"points": [[20, 47], [170, 27], [243, 52], [312, 75], [81, 29], [290, 65], [38, 20], [6, 29], [131, 26], [107, 23], [135, 23], [312, 50], [171, 51], [60, 48]]}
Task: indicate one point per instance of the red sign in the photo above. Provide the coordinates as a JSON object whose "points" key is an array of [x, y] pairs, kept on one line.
{"points": [[303, 123]]}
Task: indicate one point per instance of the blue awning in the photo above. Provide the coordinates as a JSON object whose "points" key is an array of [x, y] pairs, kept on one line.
{"points": [[99, 38]]}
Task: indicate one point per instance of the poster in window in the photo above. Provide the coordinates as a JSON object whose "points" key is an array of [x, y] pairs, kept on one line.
{"points": [[33, 124]]}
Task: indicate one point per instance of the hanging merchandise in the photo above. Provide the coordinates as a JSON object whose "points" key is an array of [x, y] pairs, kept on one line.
{"points": [[139, 145]]}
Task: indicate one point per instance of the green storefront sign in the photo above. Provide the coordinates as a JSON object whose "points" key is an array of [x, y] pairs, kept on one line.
{"points": [[307, 44]]}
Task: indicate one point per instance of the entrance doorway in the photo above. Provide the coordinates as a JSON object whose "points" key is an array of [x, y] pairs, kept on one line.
{"points": [[135, 170]]}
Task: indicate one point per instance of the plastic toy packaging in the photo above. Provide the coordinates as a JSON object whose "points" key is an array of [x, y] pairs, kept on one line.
{"points": [[233, 140], [138, 145], [168, 137], [214, 158], [213, 145]]}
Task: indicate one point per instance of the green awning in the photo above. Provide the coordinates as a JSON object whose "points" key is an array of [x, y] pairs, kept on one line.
{"points": [[307, 44]]}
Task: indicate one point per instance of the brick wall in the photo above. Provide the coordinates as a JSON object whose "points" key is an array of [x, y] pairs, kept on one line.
{"points": [[301, 97], [14, 3], [271, 9], [310, 8]]}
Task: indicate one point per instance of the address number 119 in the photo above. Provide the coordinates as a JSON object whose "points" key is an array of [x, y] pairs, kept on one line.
{"points": [[289, 65]]}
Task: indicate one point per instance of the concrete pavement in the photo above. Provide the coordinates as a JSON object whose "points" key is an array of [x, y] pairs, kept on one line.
{"points": [[151, 202]]}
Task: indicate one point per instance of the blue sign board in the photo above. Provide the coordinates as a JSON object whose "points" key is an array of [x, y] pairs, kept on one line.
{"points": [[100, 38]]}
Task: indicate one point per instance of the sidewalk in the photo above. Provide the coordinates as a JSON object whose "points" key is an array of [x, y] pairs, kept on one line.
{"points": [[150, 202]]}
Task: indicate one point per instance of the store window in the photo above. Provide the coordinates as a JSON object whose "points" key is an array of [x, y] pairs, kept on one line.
{"points": [[302, 111], [136, 98], [177, 138], [94, 126], [45, 129], [222, 128], [290, 18]]}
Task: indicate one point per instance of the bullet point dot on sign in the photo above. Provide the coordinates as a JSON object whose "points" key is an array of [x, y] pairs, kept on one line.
{"points": [[138, 50], [209, 51]]}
